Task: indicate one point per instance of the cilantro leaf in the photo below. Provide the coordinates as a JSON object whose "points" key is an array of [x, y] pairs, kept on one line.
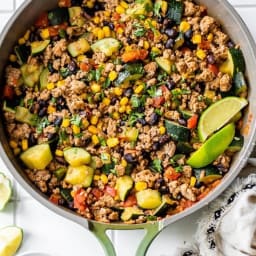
{"points": [[76, 120], [44, 122], [134, 116], [157, 8], [156, 165]]}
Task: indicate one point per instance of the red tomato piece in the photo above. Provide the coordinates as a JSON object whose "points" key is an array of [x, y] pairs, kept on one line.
{"points": [[42, 20], [192, 122], [213, 68], [130, 201], [8, 92], [111, 191]]}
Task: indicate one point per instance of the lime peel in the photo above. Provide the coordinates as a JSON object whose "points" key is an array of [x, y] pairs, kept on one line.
{"points": [[5, 191]]}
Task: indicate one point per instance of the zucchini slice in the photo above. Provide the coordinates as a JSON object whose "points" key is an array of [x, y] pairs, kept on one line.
{"points": [[179, 41], [77, 156], [148, 199], [39, 46], [37, 157], [175, 10], [58, 16], [140, 8], [31, 74], [107, 45], [131, 213], [78, 47], [123, 185], [240, 85], [164, 64], [234, 63], [186, 114], [5, 191], [23, 115], [167, 202], [176, 131], [22, 52], [60, 173], [184, 147], [79, 175], [76, 16], [237, 144], [44, 79], [66, 194], [207, 174]]}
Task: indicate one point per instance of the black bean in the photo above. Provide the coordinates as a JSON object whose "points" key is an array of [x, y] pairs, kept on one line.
{"points": [[72, 67], [182, 122], [164, 138], [42, 112], [57, 122], [31, 140], [146, 155], [76, 2], [231, 44], [142, 121], [129, 40], [109, 24], [119, 130], [141, 109], [129, 158], [120, 150], [160, 19], [163, 190], [190, 45], [155, 146], [50, 67], [122, 123], [98, 6], [210, 59], [153, 119], [51, 136], [188, 34], [114, 100], [171, 32], [170, 84], [128, 92], [42, 103], [167, 23], [170, 43]]}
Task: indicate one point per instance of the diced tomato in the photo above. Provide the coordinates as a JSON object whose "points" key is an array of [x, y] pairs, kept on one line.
{"points": [[54, 30], [213, 68], [111, 191], [8, 92], [54, 198], [97, 193], [42, 20], [130, 201], [158, 101], [150, 35], [64, 3], [171, 174], [116, 16], [84, 67], [205, 45], [185, 49], [137, 54], [192, 122], [80, 197], [164, 89]]}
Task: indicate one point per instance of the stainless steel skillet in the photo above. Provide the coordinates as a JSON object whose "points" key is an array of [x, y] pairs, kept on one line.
{"points": [[234, 26]]}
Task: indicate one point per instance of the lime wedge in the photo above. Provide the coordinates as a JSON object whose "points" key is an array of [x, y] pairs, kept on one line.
{"points": [[10, 240], [213, 147], [218, 115], [5, 190]]}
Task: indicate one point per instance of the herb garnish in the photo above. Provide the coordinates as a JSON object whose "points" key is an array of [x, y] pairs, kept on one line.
{"points": [[156, 165]]}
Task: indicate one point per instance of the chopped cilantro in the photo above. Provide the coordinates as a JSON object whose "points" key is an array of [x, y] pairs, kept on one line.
{"points": [[178, 168], [156, 165], [98, 73], [102, 142], [158, 111], [135, 101], [140, 30], [134, 116], [44, 122], [76, 120], [62, 136], [107, 83], [178, 91], [153, 91], [30, 103], [109, 168], [157, 8]]}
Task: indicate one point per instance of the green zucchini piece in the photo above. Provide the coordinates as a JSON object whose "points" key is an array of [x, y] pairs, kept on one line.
{"points": [[107, 45], [123, 185], [167, 202], [76, 16], [207, 174], [131, 72], [58, 16], [79, 175], [140, 8], [184, 147], [234, 63], [176, 131], [186, 114], [164, 64], [179, 41], [66, 194], [77, 156], [31, 74], [78, 47], [39, 46], [237, 144], [240, 85], [148, 199], [23, 115], [130, 213], [175, 10], [131, 134], [37, 157], [60, 173], [22, 52], [44, 79]]}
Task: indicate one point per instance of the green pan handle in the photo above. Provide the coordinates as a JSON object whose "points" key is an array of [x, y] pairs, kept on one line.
{"points": [[99, 230]]}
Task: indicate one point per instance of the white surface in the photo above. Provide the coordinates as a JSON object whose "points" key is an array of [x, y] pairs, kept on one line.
{"points": [[48, 233]]}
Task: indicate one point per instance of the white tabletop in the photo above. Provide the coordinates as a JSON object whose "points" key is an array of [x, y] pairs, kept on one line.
{"points": [[46, 232]]}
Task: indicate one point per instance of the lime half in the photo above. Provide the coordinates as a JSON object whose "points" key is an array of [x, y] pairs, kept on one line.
{"points": [[213, 147], [218, 115], [10, 240], [5, 190]]}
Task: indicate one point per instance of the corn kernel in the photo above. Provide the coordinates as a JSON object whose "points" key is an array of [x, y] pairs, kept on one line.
{"points": [[96, 177], [128, 109], [197, 39], [13, 58], [146, 45], [90, 4], [139, 89], [50, 86], [162, 130], [22, 41], [45, 33], [112, 142], [95, 31], [106, 101], [122, 109], [59, 152], [100, 125], [118, 91], [106, 30], [85, 123], [100, 34], [116, 115], [76, 129], [83, 96], [128, 48], [61, 83], [81, 58], [65, 123], [93, 129], [51, 109], [13, 144], [96, 20], [95, 140], [95, 87], [24, 144], [124, 101], [184, 26], [27, 34], [164, 6], [201, 54], [210, 37], [94, 120], [107, 13], [104, 178], [141, 185], [154, 23], [120, 9], [112, 75], [156, 50], [124, 163], [192, 181], [16, 151], [120, 31], [124, 4]]}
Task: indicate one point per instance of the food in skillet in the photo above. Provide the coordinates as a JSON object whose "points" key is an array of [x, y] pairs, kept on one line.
{"points": [[125, 111]]}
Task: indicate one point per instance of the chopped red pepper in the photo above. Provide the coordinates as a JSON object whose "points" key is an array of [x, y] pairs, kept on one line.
{"points": [[158, 101], [116, 16], [111, 191], [8, 92], [164, 89], [54, 30], [80, 197], [130, 201], [97, 193], [205, 45], [54, 198], [171, 174], [42, 20], [213, 68], [137, 54], [64, 3], [84, 67], [192, 122]]}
